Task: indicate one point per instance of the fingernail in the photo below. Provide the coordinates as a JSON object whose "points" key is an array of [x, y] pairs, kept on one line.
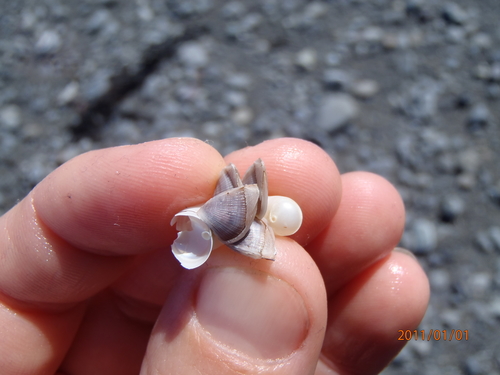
{"points": [[252, 312], [405, 251]]}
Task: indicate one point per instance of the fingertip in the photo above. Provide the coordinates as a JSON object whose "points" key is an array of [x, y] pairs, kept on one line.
{"points": [[366, 227], [368, 314], [121, 199]]}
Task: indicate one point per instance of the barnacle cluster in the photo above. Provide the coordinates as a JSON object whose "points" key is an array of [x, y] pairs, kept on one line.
{"points": [[240, 215]]}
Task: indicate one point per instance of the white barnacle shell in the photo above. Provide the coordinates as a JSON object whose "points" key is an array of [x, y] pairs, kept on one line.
{"points": [[194, 241], [240, 215]]}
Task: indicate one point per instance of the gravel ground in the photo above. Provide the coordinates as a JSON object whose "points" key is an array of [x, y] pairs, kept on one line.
{"points": [[407, 89]]}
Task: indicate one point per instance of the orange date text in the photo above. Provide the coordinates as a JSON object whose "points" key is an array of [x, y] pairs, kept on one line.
{"points": [[433, 334]]}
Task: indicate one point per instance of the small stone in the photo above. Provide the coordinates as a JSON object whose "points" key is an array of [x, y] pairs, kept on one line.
{"points": [[451, 318], [32, 130], [424, 236], [452, 206], [466, 181], [242, 116], [306, 59], [494, 233], [439, 280], [473, 366], [336, 79], [454, 14], [235, 98], [239, 80], [10, 117], [212, 129], [49, 42], [69, 93], [365, 88], [485, 242], [479, 117], [479, 284], [233, 9], [469, 161], [315, 10], [421, 347], [494, 307], [193, 54], [336, 111]]}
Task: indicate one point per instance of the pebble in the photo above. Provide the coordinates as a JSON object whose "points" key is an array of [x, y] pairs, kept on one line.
{"points": [[10, 117], [494, 233], [242, 116], [365, 88], [479, 117], [306, 59], [439, 280], [451, 318], [48, 42], [452, 206], [494, 307], [239, 80], [424, 233], [69, 93], [469, 161], [235, 98], [466, 181], [336, 79], [478, 284], [454, 14], [336, 111], [484, 242], [193, 54]]}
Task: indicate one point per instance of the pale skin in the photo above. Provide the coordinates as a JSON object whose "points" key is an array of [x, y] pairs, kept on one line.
{"points": [[86, 270]]}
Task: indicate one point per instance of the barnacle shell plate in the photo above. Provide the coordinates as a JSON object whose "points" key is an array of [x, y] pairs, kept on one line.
{"points": [[194, 241]]}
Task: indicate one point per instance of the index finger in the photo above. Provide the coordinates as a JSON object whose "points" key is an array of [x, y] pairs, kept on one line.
{"points": [[71, 236]]}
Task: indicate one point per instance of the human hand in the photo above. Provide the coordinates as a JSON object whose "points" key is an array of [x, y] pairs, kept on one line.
{"points": [[86, 270]]}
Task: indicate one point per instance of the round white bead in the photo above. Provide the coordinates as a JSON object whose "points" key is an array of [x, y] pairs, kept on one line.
{"points": [[283, 215]]}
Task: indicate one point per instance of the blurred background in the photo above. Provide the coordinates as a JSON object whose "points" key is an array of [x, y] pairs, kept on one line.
{"points": [[409, 89]]}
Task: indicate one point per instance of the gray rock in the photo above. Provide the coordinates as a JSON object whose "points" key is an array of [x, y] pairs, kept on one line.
{"points": [[336, 111], [479, 117], [494, 233], [425, 237], [336, 79], [484, 241], [193, 54], [69, 93], [439, 280], [453, 13], [10, 117], [307, 59], [452, 206], [364, 88], [48, 42]]}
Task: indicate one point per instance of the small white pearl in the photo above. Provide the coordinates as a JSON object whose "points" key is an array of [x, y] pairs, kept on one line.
{"points": [[283, 215]]}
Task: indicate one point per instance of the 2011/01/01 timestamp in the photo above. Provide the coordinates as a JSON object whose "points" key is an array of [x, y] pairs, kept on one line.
{"points": [[444, 335]]}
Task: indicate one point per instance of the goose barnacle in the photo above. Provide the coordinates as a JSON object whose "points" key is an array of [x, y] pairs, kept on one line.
{"points": [[240, 215]]}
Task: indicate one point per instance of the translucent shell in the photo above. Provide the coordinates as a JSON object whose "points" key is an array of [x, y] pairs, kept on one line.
{"points": [[240, 215]]}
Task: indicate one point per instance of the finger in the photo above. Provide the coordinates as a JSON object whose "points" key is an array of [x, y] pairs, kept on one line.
{"points": [[240, 315], [77, 231], [108, 341], [367, 226], [366, 317], [302, 171]]}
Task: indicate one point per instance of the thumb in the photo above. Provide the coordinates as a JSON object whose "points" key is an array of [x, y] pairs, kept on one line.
{"points": [[240, 315]]}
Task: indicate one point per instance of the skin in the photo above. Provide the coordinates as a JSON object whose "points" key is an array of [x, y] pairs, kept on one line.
{"points": [[86, 269]]}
